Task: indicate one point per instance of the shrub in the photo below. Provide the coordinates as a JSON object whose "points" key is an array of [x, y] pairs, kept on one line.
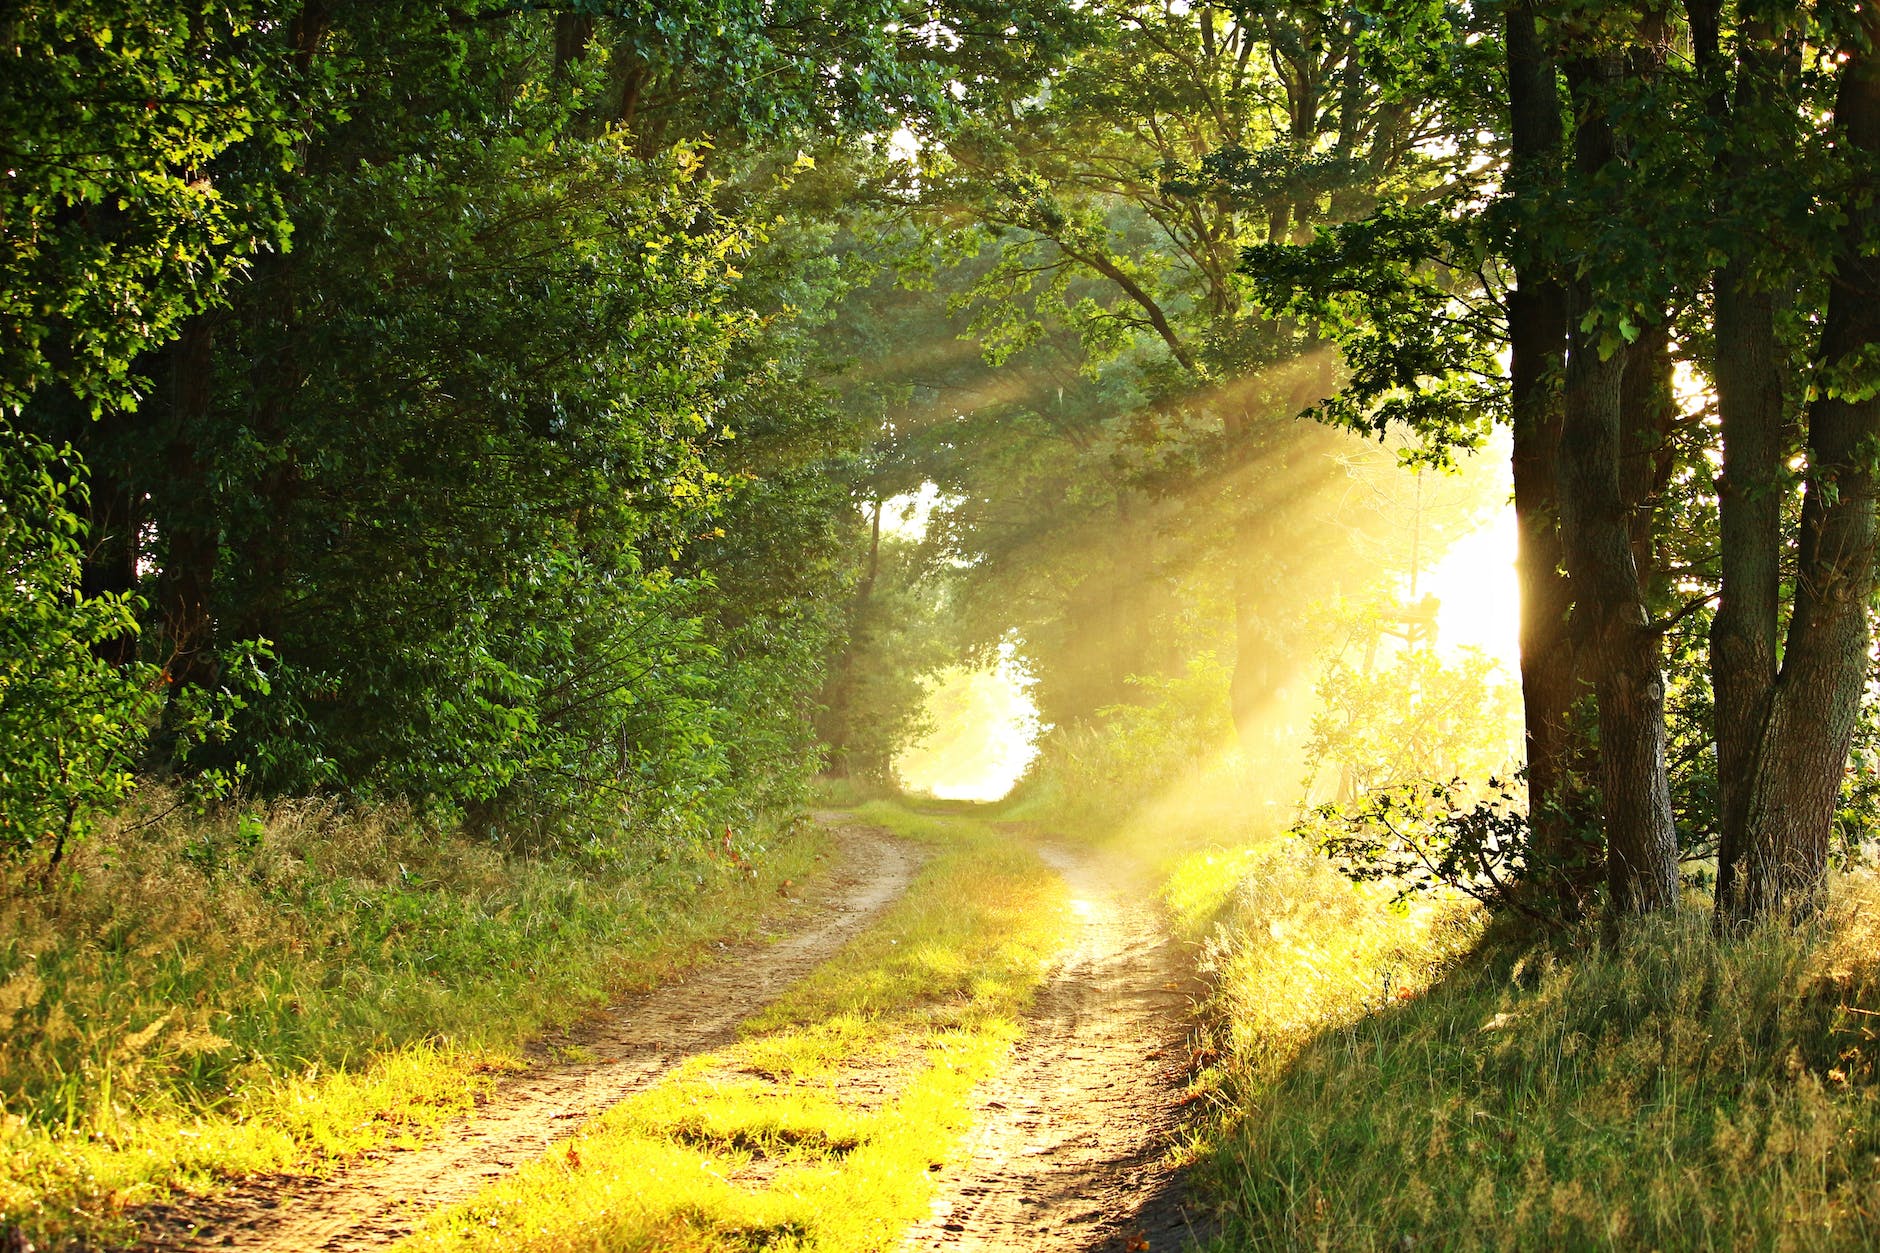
{"points": [[71, 723]]}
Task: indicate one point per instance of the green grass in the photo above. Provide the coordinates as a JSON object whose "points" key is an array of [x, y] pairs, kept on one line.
{"points": [[1663, 1091], [820, 1128], [209, 998]]}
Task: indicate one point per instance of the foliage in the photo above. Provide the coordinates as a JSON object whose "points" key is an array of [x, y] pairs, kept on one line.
{"points": [[1424, 836], [113, 114], [1097, 772], [874, 699], [72, 724], [1417, 715]]}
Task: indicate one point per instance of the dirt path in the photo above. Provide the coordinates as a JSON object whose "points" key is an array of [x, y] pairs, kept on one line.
{"points": [[380, 1199], [1068, 1147]]}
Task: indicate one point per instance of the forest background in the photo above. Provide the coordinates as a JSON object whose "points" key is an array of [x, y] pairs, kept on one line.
{"points": [[484, 415]]}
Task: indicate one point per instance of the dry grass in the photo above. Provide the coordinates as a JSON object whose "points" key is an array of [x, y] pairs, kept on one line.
{"points": [[207, 997]]}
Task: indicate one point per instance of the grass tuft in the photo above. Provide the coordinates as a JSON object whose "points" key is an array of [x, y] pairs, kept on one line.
{"points": [[1661, 1090]]}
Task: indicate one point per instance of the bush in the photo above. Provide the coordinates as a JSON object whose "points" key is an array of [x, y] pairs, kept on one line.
{"points": [[71, 724]]}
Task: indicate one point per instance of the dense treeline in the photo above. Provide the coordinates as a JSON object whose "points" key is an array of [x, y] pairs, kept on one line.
{"points": [[472, 404], [433, 401], [1640, 236], [1683, 190]]}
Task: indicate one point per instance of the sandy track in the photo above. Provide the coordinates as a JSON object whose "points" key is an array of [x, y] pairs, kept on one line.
{"points": [[381, 1199], [1068, 1143]]}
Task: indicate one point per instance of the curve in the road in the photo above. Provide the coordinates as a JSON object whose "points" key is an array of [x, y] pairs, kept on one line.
{"points": [[377, 1201]]}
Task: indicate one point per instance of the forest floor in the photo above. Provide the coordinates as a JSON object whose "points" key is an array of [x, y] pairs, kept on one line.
{"points": [[1043, 1095]]}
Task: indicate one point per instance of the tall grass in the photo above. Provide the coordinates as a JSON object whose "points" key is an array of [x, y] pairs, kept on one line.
{"points": [[1422, 1078], [1659, 1090], [210, 996]]}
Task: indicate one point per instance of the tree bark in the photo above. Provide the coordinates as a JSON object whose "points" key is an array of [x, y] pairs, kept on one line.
{"points": [[1560, 759], [1609, 611], [1750, 415], [573, 32], [1802, 754], [1648, 414]]}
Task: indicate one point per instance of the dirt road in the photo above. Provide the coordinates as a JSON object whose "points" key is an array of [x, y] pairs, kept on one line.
{"points": [[1068, 1151], [379, 1200]]}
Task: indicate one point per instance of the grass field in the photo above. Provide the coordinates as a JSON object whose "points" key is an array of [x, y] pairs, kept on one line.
{"points": [[208, 997], [820, 1127]]}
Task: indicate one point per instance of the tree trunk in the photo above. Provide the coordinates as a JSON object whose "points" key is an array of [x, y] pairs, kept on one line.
{"points": [[1648, 413], [1749, 507], [1610, 617], [573, 32], [1802, 754], [1560, 758], [1750, 414]]}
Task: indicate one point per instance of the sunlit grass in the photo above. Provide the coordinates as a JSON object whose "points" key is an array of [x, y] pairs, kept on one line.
{"points": [[211, 998], [821, 1127], [1394, 1087]]}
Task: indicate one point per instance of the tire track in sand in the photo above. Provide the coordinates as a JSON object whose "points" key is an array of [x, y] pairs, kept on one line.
{"points": [[1068, 1150], [382, 1198]]}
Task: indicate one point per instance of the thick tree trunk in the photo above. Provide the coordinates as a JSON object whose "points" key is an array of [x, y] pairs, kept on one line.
{"points": [[1648, 413], [1749, 493], [1802, 755], [1559, 756], [1620, 645], [1613, 630]]}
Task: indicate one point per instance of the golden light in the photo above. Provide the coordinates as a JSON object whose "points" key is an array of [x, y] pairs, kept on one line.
{"points": [[985, 729], [1478, 595]]}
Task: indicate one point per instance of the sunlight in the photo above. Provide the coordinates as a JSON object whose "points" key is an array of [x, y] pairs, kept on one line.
{"points": [[1478, 595], [985, 728], [905, 516]]}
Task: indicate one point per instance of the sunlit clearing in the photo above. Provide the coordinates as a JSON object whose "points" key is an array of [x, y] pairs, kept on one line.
{"points": [[985, 728], [1478, 595]]}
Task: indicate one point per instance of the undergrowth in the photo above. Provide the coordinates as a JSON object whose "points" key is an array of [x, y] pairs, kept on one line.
{"points": [[820, 1127], [208, 997]]}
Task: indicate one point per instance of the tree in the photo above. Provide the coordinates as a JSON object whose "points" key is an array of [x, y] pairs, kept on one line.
{"points": [[1178, 137], [1635, 248], [1814, 701]]}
